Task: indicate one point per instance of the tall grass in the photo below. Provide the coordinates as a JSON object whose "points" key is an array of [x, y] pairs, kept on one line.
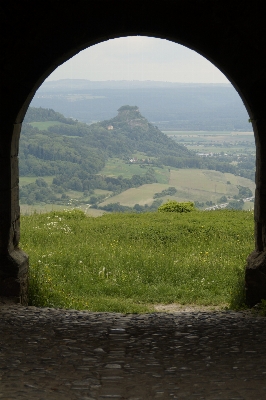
{"points": [[128, 262]]}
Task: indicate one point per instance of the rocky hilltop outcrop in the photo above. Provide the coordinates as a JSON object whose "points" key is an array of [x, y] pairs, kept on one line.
{"points": [[131, 125]]}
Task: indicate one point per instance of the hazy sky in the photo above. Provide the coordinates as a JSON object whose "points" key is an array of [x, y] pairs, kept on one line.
{"points": [[139, 58]]}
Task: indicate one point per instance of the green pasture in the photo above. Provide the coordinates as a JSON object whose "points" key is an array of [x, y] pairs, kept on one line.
{"points": [[25, 180], [44, 125], [141, 195], [191, 184], [102, 192], [115, 167], [130, 262]]}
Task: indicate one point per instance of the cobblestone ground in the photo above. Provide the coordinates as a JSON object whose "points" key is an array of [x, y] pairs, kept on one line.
{"points": [[62, 354]]}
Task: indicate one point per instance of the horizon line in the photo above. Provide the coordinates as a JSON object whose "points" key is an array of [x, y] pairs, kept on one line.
{"points": [[136, 80]]}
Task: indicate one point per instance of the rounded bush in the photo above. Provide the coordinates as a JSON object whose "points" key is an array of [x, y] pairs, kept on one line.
{"points": [[174, 206]]}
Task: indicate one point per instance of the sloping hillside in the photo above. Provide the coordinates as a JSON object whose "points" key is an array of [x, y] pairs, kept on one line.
{"points": [[74, 153], [52, 144], [75, 156]]}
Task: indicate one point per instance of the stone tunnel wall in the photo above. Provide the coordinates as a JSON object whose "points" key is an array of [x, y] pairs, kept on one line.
{"points": [[36, 37]]}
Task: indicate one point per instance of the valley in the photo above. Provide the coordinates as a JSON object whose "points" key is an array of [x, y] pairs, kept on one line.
{"points": [[209, 143], [128, 164]]}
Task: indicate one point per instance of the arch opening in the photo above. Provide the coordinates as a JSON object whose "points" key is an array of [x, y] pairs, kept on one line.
{"points": [[200, 26], [104, 272]]}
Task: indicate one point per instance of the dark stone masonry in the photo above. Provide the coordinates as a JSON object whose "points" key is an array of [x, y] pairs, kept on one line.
{"points": [[50, 354], [67, 354], [36, 37]]}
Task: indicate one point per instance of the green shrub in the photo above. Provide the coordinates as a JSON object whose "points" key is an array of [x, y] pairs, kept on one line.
{"points": [[174, 206]]}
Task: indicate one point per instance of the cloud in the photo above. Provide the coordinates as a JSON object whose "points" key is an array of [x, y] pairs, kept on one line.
{"points": [[139, 58]]}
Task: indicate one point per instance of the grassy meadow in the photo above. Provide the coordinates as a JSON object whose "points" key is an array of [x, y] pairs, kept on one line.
{"points": [[116, 166], [130, 262], [141, 195], [25, 180], [44, 125]]}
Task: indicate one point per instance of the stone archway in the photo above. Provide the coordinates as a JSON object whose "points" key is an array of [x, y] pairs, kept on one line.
{"points": [[35, 41]]}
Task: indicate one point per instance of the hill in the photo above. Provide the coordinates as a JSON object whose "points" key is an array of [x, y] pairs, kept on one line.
{"points": [[77, 163], [74, 153], [135, 133]]}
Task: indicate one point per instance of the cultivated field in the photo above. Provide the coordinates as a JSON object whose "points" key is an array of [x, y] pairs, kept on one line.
{"points": [[141, 195], [191, 184], [215, 142]]}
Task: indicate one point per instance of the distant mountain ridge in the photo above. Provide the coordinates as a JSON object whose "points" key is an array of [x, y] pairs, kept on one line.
{"points": [[81, 84], [170, 106]]}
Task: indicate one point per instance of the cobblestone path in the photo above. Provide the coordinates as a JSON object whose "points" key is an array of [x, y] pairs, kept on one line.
{"points": [[62, 354]]}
